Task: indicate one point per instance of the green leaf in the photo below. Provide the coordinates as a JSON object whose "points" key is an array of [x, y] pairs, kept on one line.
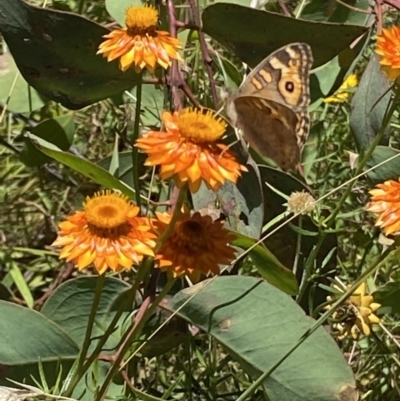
{"points": [[389, 297], [21, 284], [258, 324], [242, 203], [59, 131], [95, 376], [70, 305], [23, 98], [152, 105], [328, 78], [85, 167], [332, 11], [269, 266], [254, 34], [55, 52], [387, 171], [369, 105], [47, 341]]}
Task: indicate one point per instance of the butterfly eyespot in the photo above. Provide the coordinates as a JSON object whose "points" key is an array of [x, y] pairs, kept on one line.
{"points": [[289, 86]]}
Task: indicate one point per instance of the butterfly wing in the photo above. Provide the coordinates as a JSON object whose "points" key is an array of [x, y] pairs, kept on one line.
{"points": [[271, 105], [266, 132], [282, 77]]}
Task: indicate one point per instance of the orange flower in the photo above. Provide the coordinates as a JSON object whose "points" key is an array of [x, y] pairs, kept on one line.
{"points": [[388, 47], [196, 246], [107, 233], [189, 150], [140, 44], [385, 200]]}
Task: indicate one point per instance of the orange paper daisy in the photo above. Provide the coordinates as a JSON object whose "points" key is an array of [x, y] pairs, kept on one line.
{"points": [[107, 233], [388, 47], [385, 201], [196, 246], [189, 150], [139, 44]]}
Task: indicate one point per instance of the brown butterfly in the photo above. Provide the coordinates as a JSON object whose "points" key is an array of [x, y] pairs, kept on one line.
{"points": [[270, 106]]}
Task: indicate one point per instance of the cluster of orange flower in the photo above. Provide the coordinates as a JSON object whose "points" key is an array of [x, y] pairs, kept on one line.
{"points": [[109, 231], [110, 234]]}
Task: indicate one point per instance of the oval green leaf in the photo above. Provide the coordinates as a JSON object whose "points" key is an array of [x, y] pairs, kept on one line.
{"points": [[70, 305], [258, 324], [389, 170], [47, 341], [55, 52], [369, 105], [254, 34]]}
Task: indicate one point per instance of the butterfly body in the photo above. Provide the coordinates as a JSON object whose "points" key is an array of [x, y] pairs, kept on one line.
{"points": [[270, 106]]}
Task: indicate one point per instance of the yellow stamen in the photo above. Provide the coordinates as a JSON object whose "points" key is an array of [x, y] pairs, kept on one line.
{"points": [[140, 19], [107, 214], [200, 127]]}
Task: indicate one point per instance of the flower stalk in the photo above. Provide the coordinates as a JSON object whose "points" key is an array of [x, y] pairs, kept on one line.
{"points": [[135, 151], [129, 339], [80, 371]]}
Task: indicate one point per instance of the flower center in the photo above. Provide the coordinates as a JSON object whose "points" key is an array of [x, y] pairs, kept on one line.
{"points": [[108, 214], [190, 238], [199, 127], [141, 20]]}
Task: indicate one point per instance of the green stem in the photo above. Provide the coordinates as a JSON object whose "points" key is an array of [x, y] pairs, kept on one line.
{"points": [[133, 335], [381, 260], [93, 356], [81, 5], [86, 343], [135, 150], [298, 246]]}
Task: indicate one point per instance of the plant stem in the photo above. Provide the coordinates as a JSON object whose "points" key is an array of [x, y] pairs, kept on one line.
{"points": [[86, 343], [130, 338], [298, 247], [135, 150]]}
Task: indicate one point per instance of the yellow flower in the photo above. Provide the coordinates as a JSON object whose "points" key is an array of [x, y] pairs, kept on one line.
{"points": [[196, 246], [300, 202], [356, 314], [107, 233], [385, 201], [139, 44], [343, 93], [189, 150], [388, 47]]}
